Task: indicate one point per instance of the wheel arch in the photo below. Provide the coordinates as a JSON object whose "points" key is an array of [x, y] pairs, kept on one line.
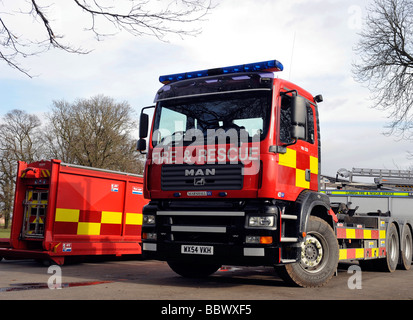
{"points": [[322, 212], [310, 203]]}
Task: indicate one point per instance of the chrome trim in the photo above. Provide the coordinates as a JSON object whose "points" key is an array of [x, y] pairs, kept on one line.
{"points": [[202, 213], [198, 229]]}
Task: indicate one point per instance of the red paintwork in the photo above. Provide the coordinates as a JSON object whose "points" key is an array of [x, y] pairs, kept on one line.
{"points": [[277, 181], [101, 198]]}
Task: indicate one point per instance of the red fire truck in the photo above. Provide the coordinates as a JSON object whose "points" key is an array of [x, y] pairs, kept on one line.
{"points": [[63, 210], [232, 174]]}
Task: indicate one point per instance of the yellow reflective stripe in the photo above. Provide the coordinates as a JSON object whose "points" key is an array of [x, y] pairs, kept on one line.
{"points": [[93, 228], [88, 228], [314, 165], [375, 252], [134, 218], [342, 254], [288, 159], [367, 234], [382, 234], [371, 193], [359, 253], [111, 217], [45, 173], [351, 233], [300, 180], [67, 215]]}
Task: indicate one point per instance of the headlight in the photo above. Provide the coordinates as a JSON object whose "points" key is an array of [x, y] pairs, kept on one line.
{"points": [[149, 219], [261, 221]]}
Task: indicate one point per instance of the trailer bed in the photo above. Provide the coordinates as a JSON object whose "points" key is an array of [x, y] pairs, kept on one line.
{"points": [[63, 210]]}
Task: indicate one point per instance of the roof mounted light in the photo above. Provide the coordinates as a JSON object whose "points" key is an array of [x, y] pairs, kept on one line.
{"points": [[271, 65]]}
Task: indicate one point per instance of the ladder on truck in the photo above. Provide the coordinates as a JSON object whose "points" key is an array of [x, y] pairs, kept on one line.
{"points": [[35, 206], [374, 223], [392, 179]]}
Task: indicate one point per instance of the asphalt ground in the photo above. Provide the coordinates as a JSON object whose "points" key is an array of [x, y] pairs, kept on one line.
{"points": [[153, 280]]}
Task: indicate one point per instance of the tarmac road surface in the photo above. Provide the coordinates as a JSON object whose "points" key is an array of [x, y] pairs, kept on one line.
{"points": [[153, 280]]}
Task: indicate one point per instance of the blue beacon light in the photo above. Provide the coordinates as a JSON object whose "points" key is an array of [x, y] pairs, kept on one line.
{"points": [[271, 65]]}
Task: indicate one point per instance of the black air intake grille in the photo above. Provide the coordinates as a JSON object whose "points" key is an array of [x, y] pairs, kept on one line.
{"points": [[202, 177]]}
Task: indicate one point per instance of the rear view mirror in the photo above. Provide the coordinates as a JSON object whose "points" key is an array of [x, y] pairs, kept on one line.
{"points": [[143, 130], [141, 147], [143, 125], [298, 117], [298, 110]]}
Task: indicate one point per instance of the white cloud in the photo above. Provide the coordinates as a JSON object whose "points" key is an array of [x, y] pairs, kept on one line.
{"points": [[321, 32]]}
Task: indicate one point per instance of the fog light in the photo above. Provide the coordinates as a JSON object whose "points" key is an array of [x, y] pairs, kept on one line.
{"points": [[252, 239], [258, 240]]}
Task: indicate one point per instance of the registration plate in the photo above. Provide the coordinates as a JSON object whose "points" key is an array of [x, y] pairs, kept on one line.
{"points": [[191, 249]]}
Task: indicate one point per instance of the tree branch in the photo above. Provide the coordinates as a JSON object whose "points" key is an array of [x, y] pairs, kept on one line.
{"points": [[385, 52], [139, 18]]}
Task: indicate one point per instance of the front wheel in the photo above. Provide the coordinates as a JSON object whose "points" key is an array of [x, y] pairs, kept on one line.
{"points": [[319, 257], [193, 270]]}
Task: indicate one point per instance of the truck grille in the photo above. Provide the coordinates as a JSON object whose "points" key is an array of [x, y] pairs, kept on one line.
{"points": [[202, 177]]}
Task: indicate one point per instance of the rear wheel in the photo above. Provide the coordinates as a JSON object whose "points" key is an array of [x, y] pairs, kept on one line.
{"points": [[392, 250], [319, 257], [388, 263], [406, 248], [193, 270]]}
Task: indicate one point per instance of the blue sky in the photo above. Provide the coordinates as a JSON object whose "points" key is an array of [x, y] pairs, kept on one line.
{"points": [[312, 38]]}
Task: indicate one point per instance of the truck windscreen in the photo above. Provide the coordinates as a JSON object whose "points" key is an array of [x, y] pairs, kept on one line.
{"points": [[245, 114]]}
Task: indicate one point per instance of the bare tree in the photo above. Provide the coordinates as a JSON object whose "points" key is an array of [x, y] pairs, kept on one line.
{"points": [[19, 140], [93, 132], [385, 52], [138, 17], [20, 135]]}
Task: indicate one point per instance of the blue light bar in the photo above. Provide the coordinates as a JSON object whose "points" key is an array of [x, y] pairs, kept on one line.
{"points": [[271, 65]]}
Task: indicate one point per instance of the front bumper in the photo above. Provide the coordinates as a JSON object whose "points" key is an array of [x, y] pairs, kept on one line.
{"points": [[222, 254], [219, 228]]}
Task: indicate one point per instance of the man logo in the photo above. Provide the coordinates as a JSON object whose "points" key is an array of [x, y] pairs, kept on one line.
{"points": [[199, 172], [199, 181]]}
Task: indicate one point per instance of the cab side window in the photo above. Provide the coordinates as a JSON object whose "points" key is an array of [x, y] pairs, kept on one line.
{"points": [[310, 124], [285, 122]]}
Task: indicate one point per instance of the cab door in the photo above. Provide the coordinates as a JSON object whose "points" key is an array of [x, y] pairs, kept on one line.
{"points": [[298, 163]]}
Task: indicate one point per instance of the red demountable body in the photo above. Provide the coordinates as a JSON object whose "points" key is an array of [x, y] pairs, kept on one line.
{"points": [[63, 210]]}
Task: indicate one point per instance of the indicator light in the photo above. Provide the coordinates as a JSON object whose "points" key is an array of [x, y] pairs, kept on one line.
{"points": [[265, 240], [271, 65], [258, 240]]}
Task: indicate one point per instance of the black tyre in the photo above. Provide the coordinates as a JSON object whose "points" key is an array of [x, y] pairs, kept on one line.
{"points": [[319, 257], [193, 270], [406, 252], [389, 264]]}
